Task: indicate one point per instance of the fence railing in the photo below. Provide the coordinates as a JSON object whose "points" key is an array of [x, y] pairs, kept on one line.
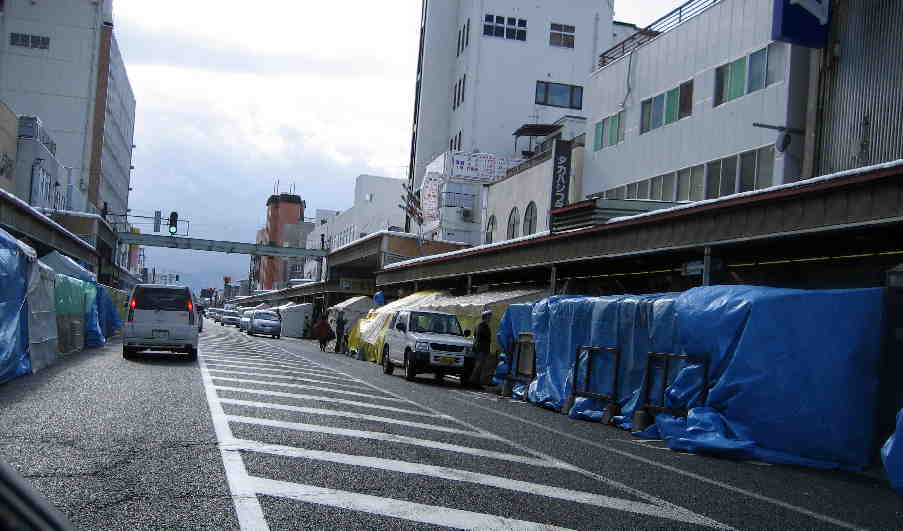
{"points": [[668, 22]]}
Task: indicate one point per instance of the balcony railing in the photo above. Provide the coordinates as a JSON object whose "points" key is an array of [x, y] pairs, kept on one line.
{"points": [[650, 32]]}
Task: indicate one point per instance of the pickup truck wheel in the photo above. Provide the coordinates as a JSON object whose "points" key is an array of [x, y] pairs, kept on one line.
{"points": [[388, 368], [127, 353], [440, 376], [193, 353], [410, 367]]}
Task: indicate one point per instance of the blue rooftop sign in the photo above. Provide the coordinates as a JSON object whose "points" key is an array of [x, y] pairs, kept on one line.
{"points": [[802, 22]]}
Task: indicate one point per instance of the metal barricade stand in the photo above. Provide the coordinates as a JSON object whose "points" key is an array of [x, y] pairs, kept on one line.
{"points": [[522, 367], [613, 408], [643, 417]]}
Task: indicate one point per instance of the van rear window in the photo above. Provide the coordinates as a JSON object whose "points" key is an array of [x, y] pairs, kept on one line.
{"points": [[166, 299]]}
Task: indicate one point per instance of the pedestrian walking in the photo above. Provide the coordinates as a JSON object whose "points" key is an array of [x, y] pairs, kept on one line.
{"points": [[323, 332], [481, 345], [340, 332]]}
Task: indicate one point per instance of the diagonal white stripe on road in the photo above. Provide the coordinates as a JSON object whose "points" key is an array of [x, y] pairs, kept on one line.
{"points": [[308, 387], [281, 371], [453, 474], [290, 378], [356, 416], [389, 437], [325, 399], [417, 512], [267, 363]]}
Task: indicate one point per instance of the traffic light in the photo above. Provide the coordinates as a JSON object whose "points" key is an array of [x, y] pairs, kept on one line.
{"points": [[173, 222]]}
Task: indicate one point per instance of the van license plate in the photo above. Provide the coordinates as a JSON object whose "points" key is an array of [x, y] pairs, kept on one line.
{"points": [[447, 360], [161, 334]]}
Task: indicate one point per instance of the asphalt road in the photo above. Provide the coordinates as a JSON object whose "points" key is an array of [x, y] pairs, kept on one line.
{"points": [[273, 434]]}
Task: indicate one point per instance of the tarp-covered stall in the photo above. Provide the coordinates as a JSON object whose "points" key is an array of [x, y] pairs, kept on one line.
{"points": [[42, 320], [353, 310], [892, 456], [72, 298], [777, 375], [64, 265], [296, 319], [16, 260]]}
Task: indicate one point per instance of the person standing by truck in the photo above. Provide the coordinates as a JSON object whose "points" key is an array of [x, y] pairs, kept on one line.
{"points": [[481, 344], [340, 332], [323, 332]]}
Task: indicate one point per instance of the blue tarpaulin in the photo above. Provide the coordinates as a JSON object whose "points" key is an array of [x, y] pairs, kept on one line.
{"points": [[517, 319], [792, 374], [14, 273], [107, 315], [892, 456]]}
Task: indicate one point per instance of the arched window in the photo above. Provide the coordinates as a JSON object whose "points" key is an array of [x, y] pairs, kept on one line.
{"points": [[490, 230], [513, 223], [530, 219]]}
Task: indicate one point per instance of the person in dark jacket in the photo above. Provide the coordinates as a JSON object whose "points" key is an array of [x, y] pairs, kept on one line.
{"points": [[340, 332], [481, 344], [323, 332]]}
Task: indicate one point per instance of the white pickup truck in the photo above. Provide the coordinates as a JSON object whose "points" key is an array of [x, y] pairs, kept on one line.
{"points": [[428, 342]]}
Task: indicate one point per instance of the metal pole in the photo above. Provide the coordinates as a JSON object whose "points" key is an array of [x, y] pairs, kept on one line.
{"points": [[553, 281], [707, 267]]}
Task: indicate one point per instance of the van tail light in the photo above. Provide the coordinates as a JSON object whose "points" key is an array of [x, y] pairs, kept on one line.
{"points": [[190, 312], [132, 304]]}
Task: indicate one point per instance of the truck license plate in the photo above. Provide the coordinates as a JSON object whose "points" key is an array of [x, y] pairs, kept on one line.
{"points": [[447, 360], [161, 334]]}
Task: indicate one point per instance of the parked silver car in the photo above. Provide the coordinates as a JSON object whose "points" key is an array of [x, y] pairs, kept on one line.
{"points": [[265, 322]]}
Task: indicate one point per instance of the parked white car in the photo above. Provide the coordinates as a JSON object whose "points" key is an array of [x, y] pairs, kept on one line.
{"points": [[428, 342], [160, 318], [229, 317], [265, 322]]}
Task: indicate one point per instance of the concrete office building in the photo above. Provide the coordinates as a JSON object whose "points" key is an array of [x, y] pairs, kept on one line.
{"points": [[375, 209], [673, 119], [60, 61], [486, 68]]}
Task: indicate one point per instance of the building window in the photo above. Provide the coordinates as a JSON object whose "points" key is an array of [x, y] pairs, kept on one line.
{"points": [[29, 41], [609, 131], [505, 27], [490, 229], [513, 223], [562, 35], [667, 108], [467, 34], [749, 73], [460, 38], [559, 95], [459, 141], [530, 219]]}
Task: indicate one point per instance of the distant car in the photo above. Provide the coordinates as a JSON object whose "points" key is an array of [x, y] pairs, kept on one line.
{"points": [[428, 342], [245, 320], [265, 322], [230, 317], [161, 318]]}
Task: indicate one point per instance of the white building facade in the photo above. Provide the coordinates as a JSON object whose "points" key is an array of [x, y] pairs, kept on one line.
{"points": [[487, 67], [375, 208], [60, 61], [674, 119]]}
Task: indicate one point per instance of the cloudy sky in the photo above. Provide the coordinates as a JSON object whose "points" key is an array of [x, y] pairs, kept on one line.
{"points": [[233, 98]]}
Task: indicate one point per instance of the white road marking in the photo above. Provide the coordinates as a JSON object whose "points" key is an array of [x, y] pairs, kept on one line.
{"points": [[291, 378], [247, 506], [309, 387], [390, 437], [352, 415], [453, 474], [280, 371], [675, 470], [429, 514], [322, 398], [266, 363]]}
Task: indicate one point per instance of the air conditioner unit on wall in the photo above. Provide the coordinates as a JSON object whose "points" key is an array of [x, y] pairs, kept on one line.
{"points": [[467, 214]]}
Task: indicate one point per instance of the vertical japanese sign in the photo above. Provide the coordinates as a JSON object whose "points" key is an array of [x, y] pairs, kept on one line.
{"points": [[561, 174]]}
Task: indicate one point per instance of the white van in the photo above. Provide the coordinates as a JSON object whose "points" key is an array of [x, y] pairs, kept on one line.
{"points": [[428, 342], [160, 318]]}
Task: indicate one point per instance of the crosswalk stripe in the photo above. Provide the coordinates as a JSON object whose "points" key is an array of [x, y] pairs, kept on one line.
{"points": [[352, 415], [390, 437], [454, 474], [278, 370], [267, 363], [417, 512], [324, 399], [291, 378], [309, 387]]}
